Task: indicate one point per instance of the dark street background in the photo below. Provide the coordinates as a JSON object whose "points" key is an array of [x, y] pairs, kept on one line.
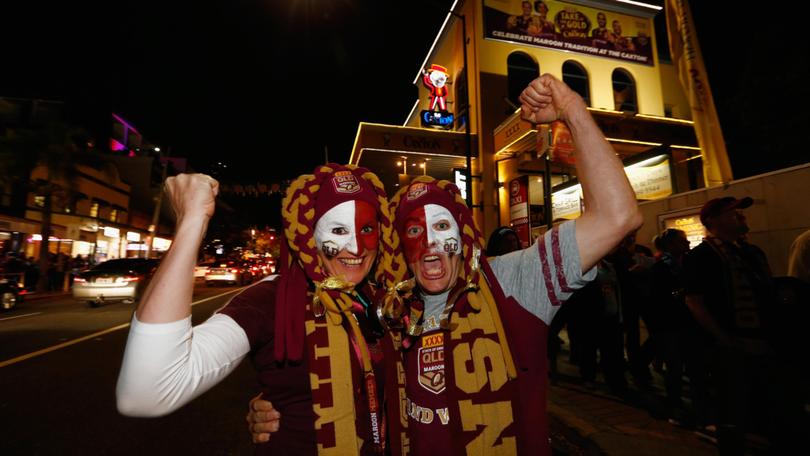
{"points": [[63, 402], [255, 83]]}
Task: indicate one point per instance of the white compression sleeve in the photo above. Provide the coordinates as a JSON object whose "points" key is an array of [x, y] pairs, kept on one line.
{"points": [[166, 365]]}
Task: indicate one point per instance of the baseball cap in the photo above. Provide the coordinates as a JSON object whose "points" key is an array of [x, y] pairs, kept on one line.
{"points": [[718, 206]]}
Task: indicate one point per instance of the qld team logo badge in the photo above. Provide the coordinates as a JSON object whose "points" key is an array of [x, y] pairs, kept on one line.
{"points": [[418, 189], [345, 182], [431, 363]]}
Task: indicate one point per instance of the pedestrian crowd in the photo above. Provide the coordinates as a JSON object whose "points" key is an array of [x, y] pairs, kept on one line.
{"points": [[722, 333], [59, 275]]}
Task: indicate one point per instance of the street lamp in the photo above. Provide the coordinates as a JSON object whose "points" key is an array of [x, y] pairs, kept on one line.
{"points": [[466, 96], [159, 201]]}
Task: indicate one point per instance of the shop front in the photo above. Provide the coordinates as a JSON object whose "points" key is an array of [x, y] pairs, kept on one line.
{"points": [[14, 232], [657, 164]]}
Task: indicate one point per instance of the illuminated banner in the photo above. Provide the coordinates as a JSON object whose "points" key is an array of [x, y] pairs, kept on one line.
{"points": [[568, 27], [112, 232], [460, 179], [650, 179], [435, 79], [519, 209], [567, 203], [690, 224]]}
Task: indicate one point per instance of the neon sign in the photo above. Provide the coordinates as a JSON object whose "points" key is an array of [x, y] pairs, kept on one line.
{"points": [[435, 79]]}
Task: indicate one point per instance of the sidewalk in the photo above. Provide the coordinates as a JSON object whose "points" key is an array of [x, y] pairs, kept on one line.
{"points": [[34, 296], [589, 420], [605, 424]]}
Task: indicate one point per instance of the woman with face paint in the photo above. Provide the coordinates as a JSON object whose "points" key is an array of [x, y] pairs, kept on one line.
{"points": [[312, 332]]}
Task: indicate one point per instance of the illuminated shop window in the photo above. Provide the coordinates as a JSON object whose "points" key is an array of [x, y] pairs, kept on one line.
{"points": [[114, 215], [94, 209], [576, 77], [521, 69], [624, 91]]}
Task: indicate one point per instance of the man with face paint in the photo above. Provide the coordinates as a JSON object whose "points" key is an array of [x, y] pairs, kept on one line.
{"points": [[474, 349], [309, 332], [432, 245]]}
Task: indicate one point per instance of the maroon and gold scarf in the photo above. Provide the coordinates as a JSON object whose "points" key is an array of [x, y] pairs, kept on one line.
{"points": [[494, 408]]}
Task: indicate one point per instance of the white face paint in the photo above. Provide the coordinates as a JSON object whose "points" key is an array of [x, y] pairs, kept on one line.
{"points": [[442, 229], [336, 230]]}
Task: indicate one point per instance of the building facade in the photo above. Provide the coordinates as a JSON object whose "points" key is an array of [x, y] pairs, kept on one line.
{"points": [[90, 216], [604, 50]]}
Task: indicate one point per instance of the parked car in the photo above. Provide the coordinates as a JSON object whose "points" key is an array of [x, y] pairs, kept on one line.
{"points": [[121, 279], [231, 272], [11, 294]]}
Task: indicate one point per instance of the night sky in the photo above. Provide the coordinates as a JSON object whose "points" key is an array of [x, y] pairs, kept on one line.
{"points": [[257, 83]]}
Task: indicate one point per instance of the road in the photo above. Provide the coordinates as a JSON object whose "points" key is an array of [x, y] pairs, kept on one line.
{"points": [[59, 362]]}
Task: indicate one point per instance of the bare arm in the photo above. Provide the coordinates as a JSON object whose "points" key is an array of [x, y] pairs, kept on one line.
{"points": [[167, 363], [168, 296], [611, 210]]}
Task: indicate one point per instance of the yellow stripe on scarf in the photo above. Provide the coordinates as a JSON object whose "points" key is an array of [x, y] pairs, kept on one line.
{"points": [[473, 375], [341, 414]]}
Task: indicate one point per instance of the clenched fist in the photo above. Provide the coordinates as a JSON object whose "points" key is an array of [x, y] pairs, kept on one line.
{"points": [[547, 99], [192, 195]]}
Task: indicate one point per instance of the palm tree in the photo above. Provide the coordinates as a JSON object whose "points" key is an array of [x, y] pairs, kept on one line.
{"points": [[56, 149]]}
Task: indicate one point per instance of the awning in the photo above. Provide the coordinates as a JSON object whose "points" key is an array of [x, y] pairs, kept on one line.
{"points": [[629, 133], [379, 147]]}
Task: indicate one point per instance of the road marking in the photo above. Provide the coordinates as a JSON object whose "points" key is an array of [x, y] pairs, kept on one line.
{"points": [[20, 316], [18, 359]]}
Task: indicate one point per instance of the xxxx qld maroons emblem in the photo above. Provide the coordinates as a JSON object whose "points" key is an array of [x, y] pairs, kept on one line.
{"points": [[345, 182], [431, 363]]}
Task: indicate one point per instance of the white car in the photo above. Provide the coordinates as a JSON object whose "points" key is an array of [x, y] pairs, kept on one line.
{"points": [[201, 269], [229, 272], [114, 280]]}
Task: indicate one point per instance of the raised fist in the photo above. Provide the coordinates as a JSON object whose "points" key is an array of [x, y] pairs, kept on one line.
{"points": [[192, 195], [547, 99]]}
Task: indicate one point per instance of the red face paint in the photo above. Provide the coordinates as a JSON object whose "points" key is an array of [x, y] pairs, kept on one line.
{"points": [[366, 226], [415, 237]]}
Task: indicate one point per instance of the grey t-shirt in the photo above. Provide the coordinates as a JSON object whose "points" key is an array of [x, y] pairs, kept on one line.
{"points": [[540, 277]]}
